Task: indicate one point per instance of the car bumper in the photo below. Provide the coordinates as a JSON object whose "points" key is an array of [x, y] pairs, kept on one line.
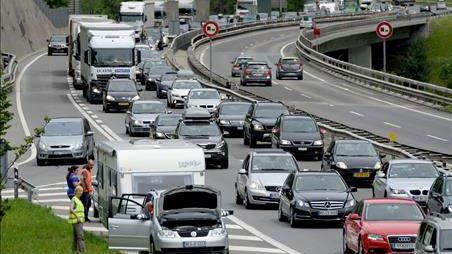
{"points": [[215, 155], [263, 197], [58, 50], [61, 154], [263, 136], [140, 129], [231, 128], [290, 73], [257, 79], [178, 101], [420, 199], [350, 177], [118, 104], [304, 150], [163, 92], [176, 245], [308, 213]]}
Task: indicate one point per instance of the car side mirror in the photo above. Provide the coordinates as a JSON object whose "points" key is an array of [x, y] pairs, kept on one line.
{"points": [[354, 216], [429, 248], [352, 189], [89, 133], [327, 155], [242, 171]]}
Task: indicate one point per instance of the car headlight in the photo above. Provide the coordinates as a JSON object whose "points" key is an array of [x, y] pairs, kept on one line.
{"points": [[285, 142], [302, 203], [136, 122], [375, 237], [225, 122], [164, 233], [318, 142], [255, 186], [397, 191], [341, 165], [350, 203], [109, 98], [137, 97], [218, 232], [42, 146], [221, 144], [96, 90], [258, 126], [78, 146], [377, 165], [449, 208]]}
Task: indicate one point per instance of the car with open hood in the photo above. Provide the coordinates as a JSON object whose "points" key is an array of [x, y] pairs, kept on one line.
{"points": [[141, 116], [409, 178], [185, 219], [165, 126]]}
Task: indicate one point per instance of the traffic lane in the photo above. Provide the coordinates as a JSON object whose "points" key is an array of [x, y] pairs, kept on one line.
{"points": [[436, 138], [44, 92]]}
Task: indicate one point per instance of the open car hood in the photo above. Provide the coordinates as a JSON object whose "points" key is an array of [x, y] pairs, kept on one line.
{"points": [[188, 198]]}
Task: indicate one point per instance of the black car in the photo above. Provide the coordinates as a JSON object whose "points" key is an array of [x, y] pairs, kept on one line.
{"points": [[197, 127], [57, 44], [299, 135], [163, 83], [164, 126], [440, 195], [152, 74], [315, 196], [118, 94], [231, 116], [356, 160], [144, 55], [260, 120]]}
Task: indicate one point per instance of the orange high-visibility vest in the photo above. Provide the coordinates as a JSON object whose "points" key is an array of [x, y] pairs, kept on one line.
{"points": [[87, 183]]}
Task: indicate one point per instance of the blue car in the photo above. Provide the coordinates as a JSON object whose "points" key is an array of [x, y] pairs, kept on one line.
{"points": [[165, 81]]}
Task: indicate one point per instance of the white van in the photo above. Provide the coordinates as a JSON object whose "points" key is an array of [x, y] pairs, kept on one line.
{"points": [[137, 166]]}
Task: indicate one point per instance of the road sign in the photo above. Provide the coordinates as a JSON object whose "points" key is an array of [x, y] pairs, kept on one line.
{"points": [[210, 28], [384, 30]]}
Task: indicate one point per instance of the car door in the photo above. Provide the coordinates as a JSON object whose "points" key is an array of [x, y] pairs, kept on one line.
{"points": [[286, 198], [127, 229], [88, 137], [276, 131], [354, 227], [243, 178], [381, 182], [328, 157], [435, 203]]}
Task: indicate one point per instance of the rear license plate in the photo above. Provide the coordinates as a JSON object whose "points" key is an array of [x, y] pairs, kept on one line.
{"points": [[362, 175], [403, 246], [302, 148], [193, 244], [239, 128], [123, 104], [328, 213], [207, 156]]}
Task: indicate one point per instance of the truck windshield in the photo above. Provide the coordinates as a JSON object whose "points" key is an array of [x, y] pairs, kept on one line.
{"points": [[132, 18], [113, 57], [142, 183]]}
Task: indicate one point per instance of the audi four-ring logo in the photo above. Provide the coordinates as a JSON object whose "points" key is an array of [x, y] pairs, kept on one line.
{"points": [[404, 238]]}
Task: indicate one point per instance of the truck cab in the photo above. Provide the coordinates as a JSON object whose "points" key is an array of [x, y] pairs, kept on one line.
{"points": [[132, 13]]}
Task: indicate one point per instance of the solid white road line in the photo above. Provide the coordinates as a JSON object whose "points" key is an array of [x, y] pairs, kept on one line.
{"points": [[356, 113], [20, 111], [245, 238], [288, 89], [393, 125], [306, 96], [254, 249], [233, 226], [438, 138], [55, 200]]}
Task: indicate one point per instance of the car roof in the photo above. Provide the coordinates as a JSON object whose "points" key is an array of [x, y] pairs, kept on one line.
{"points": [[261, 152], [236, 102], [316, 172], [203, 89], [410, 161], [58, 35], [389, 201], [170, 115], [444, 221], [256, 62], [289, 58], [297, 116], [147, 102], [66, 119], [352, 141], [123, 80]]}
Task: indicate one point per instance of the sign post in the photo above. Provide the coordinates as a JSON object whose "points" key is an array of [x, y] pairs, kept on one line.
{"points": [[210, 30], [384, 31]]}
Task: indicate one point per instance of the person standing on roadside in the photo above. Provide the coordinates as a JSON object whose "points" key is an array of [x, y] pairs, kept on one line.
{"points": [[72, 180], [86, 180], [76, 218]]}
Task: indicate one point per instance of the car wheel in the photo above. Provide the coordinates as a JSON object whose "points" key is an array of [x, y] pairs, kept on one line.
{"points": [[281, 216], [49, 52], [293, 222], [106, 109], [345, 245], [40, 162], [225, 163], [300, 77], [253, 142], [238, 199], [269, 83], [246, 201], [246, 141]]}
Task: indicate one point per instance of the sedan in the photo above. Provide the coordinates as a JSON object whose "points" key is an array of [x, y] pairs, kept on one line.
{"points": [[141, 116], [440, 195], [152, 74], [163, 83], [405, 179], [57, 44], [65, 138], [179, 91], [238, 63], [165, 126], [231, 116], [382, 226], [207, 98]]}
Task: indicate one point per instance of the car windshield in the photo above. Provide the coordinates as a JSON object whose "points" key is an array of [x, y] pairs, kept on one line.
{"points": [[242, 60], [168, 120], [160, 70], [273, 163], [290, 61], [393, 212], [122, 87], [358, 149], [169, 77], [320, 183], [103, 57], [59, 39], [148, 108], [272, 111], [257, 66], [448, 191], [185, 75], [204, 94], [445, 240], [234, 109], [70, 128], [299, 125], [186, 85], [130, 18], [199, 130], [142, 183], [413, 170]]}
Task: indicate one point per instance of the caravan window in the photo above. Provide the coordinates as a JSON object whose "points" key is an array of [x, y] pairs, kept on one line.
{"points": [[142, 183], [100, 174], [113, 180]]}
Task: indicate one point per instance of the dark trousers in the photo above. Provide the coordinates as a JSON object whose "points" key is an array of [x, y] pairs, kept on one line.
{"points": [[86, 200], [78, 240]]}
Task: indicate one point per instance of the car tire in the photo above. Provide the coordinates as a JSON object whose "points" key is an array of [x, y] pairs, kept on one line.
{"points": [[49, 52], [300, 77], [293, 222], [246, 141], [152, 249], [224, 163], [40, 162], [246, 202], [106, 109], [269, 83], [281, 216], [278, 77], [345, 245], [238, 199], [84, 91]]}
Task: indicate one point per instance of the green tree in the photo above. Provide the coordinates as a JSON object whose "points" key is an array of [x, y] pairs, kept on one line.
{"points": [[295, 5], [445, 72], [57, 3], [414, 64]]}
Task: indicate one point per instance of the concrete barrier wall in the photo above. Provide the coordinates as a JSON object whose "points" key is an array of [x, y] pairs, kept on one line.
{"points": [[24, 27]]}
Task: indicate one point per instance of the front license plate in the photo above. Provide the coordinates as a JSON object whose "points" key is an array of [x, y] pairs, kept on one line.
{"points": [[193, 244], [239, 128], [328, 213], [362, 175], [420, 198], [123, 104], [274, 195], [302, 148], [207, 156], [403, 246]]}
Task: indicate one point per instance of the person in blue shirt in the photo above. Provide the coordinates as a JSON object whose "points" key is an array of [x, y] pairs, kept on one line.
{"points": [[72, 180]]}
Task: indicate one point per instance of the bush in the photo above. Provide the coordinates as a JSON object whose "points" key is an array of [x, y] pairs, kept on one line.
{"points": [[57, 3], [445, 71], [414, 64]]}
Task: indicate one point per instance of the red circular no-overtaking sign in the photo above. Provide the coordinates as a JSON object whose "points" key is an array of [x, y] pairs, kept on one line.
{"points": [[384, 30], [210, 28]]}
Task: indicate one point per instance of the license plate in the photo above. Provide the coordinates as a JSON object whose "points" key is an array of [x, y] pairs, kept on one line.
{"points": [[302, 148], [420, 198], [123, 104], [207, 156], [194, 244], [403, 246], [274, 195], [328, 213], [362, 175], [239, 128], [267, 135], [59, 152]]}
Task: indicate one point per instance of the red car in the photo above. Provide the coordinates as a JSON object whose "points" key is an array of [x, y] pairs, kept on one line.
{"points": [[382, 226]]}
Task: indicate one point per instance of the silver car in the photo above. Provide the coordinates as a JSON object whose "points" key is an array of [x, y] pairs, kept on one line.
{"points": [[203, 98], [141, 115], [179, 91], [173, 221], [405, 179], [65, 138], [262, 175]]}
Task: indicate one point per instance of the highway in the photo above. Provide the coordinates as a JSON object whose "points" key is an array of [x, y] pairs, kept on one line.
{"points": [[44, 90], [333, 98]]}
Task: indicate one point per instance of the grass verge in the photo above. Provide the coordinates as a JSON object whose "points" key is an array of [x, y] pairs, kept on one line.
{"points": [[30, 228]]}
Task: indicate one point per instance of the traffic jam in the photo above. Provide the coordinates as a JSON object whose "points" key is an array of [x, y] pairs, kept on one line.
{"points": [[151, 191]]}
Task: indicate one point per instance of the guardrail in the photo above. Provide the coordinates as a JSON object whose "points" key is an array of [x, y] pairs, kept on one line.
{"points": [[10, 68], [421, 91], [228, 87]]}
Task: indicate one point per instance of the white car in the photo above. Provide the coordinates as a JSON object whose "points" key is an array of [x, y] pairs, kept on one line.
{"points": [[179, 91], [306, 22], [203, 98]]}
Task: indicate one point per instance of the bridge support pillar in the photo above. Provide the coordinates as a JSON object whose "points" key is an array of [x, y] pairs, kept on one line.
{"points": [[361, 56]]}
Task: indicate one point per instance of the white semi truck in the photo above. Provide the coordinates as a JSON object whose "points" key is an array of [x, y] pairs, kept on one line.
{"points": [[246, 8], [73, 48], [106, 50], [137, 14]]}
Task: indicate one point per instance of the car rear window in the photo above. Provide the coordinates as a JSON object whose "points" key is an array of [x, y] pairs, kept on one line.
{"points": [[299, 125], [243, 60], [257, 66], [290, 61], [393, 212]]}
